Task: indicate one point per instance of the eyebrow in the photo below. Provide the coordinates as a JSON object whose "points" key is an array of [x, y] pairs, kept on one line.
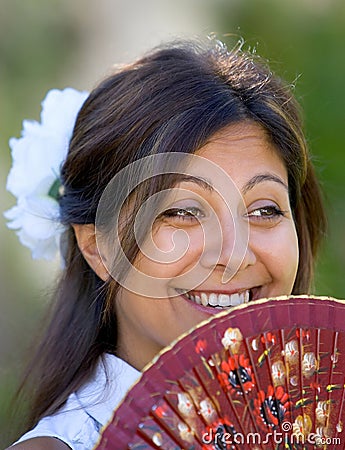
{"points": [[250, 184], [260, 178], [202, 182]]}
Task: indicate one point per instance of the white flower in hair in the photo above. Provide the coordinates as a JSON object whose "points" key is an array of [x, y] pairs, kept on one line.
{"points": [[35, 174]]}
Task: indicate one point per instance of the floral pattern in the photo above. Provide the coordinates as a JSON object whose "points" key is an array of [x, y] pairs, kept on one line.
{"points": [[271, 408], [291, 351], [302, 426], [309, 364], [278, 373], [263, 408], [289, 381], [237, 375], [232, 339]]}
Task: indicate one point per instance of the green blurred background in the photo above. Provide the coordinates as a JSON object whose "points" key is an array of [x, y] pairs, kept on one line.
{"points": [[58, 43]]}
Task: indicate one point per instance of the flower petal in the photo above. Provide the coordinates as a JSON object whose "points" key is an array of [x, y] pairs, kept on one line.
{"points": [[37, 157]]}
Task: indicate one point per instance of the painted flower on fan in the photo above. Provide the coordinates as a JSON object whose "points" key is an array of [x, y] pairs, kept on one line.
{"points": [[309, 364], [157, 439], [255, 344], [219, 435], [278, 373], [207, 410], [291, 351], [335, 358], [316, 386], [160, 410], [34, 176], [322, 411], [186, 433], [237, 375], [201, 346], [232, 339], [185, 404], [271, 408], [269, 338], [302, 426], [305, 334]]}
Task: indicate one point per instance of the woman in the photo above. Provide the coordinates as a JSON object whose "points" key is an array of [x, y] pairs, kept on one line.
{"points": [[235, 215]]}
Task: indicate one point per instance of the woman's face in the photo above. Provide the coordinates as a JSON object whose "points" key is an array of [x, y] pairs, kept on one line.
{"points": [[236, 248]]}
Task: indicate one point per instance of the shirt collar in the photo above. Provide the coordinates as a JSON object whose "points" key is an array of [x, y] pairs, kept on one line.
{"points": [[105, 391]]}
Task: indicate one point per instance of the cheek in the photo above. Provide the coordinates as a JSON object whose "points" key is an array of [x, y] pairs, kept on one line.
{"points": [[278, 251], [171, 251]]}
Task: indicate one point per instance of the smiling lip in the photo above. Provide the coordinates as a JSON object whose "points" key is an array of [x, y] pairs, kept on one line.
{"points": [[213, 301]]}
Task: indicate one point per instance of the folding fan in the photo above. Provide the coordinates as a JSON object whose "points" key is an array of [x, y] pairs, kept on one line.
{"points": [[266, 375]]}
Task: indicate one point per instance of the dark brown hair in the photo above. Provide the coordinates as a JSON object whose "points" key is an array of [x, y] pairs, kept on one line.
{"points": [[173, 99]]}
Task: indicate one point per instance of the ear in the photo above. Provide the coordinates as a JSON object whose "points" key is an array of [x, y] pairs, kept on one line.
{"points": [[86, 239]]}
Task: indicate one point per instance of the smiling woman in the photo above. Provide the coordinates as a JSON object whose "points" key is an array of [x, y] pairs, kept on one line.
{"points": [[266, 265], [187, 189]]}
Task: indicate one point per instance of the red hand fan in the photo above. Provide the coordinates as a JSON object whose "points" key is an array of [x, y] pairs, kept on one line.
{"points": [[266, 375]]}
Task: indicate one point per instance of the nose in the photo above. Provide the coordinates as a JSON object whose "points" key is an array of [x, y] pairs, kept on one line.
{"points": [[227, 247]]}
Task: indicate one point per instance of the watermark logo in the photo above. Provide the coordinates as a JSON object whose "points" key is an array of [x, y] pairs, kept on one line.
{"points": [[186, 184], [287, 437]]}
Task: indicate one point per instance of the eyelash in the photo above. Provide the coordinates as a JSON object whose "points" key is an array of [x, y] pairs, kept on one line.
{"points": [[274, 213], [193, 213], [184, 213]]}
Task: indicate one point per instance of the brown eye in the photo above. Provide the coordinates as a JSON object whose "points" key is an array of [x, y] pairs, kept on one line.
{"points": [[190, 213], [269, 212]]}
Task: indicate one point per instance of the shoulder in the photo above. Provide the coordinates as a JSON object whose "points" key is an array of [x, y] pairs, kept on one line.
{"points": [[41, 443], [71, 425], [79, 422]]}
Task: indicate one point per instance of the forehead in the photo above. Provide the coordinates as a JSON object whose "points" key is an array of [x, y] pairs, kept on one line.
{"points": [[238, 137], [243, 149]]}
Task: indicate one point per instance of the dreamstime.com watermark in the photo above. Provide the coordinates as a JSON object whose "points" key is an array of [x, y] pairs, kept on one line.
{"points": [[276, 437]]}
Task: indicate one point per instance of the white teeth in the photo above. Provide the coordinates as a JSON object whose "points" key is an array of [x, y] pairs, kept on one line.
{"points": [[236, 299], [246, 296], [213, 299], [223, 300], [219, 301], [204, 299]]}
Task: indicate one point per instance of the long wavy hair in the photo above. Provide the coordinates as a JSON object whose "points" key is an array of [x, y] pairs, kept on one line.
{"points": [[173, 99]]}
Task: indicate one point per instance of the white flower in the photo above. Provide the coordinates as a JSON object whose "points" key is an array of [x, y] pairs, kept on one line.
{"points": [[207, 410], [185, 404], [37, 158], [232, 339]]}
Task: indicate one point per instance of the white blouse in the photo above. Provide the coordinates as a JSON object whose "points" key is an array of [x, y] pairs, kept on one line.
{"points": [[78, 423]]}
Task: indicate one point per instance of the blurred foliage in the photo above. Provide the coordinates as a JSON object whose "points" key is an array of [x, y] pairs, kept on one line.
{"points": [[38, 40], [304, 41]]}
